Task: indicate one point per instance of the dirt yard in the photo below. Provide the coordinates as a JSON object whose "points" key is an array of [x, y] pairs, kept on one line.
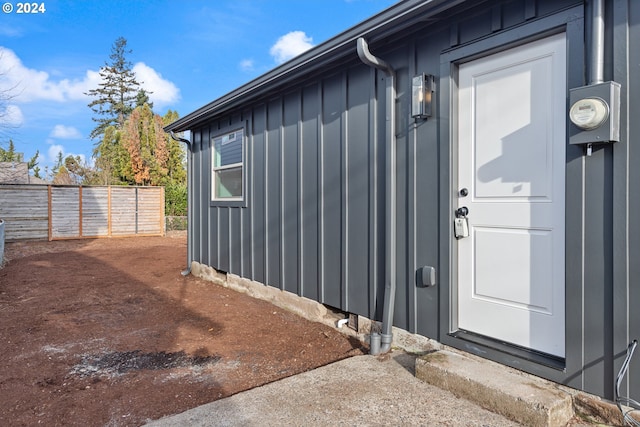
{"points": [[108, 332]]}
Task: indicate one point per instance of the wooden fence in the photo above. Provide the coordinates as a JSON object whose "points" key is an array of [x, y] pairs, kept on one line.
{"points": [[74, 212]]}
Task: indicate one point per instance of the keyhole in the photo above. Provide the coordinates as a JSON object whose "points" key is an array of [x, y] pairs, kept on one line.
{"points": [[464, 192]]}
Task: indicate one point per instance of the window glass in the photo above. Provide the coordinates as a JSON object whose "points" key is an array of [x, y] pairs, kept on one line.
{"points": [[228, 183], [228, 166], [228, 149]]}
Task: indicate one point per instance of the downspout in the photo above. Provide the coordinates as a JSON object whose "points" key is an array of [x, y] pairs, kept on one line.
{"points": [[187, 270], [381, 343], [597, 42]]}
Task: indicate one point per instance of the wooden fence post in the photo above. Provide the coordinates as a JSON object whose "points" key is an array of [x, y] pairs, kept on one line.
{"points": [[109, 211], [49, 212], [80, 210]]}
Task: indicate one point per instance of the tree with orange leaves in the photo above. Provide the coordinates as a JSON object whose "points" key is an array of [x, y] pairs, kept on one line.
{"points": [[146, 143]]}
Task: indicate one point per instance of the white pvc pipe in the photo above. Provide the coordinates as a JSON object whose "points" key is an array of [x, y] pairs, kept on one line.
{"points": [[342, 322]]}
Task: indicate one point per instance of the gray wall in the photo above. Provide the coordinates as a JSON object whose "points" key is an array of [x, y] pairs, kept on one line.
{"points": [[312, 224], [313, 221], [622, 164]]}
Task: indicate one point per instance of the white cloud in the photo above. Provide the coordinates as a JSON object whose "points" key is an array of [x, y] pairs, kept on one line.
{"points": [[65, 132], [25, 84], [162, 92], [76, 89], [52, 152], [11, 116], [290, 45], [246, 65]]}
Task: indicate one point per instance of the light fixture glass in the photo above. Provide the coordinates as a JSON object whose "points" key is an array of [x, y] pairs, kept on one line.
{"points": [[422, 88]]}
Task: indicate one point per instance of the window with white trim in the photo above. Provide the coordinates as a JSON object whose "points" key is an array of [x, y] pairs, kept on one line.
{"points": [[228, 166]]}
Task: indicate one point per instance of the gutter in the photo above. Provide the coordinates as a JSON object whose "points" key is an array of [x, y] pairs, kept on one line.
{"points": [[381, 343], [187, 270]]}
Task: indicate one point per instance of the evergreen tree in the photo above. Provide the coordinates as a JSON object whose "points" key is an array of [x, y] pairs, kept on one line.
{"points": [[177, 162], [32, 164], [112, 159], [10, 155], [175, 191], [115, 96], [143, 98], [58, 164]]}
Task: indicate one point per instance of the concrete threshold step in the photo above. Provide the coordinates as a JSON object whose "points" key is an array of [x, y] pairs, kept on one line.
{"points": [[521, 397]]}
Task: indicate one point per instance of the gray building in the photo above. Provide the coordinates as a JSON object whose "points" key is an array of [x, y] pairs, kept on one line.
{"points": [[17, 173], [459, 169]]}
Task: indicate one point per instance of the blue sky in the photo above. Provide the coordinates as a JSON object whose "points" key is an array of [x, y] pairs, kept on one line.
{"points": [[187, 53]]}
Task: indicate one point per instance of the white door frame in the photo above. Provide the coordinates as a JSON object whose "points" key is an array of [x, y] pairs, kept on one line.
{"points": [[558, 348]]}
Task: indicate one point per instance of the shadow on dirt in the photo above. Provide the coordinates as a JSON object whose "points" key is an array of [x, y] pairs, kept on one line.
{"points": [[108, 332], [121, 362]]}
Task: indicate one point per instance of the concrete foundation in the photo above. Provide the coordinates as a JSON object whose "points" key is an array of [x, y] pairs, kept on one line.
{"points": [[523, 398]]}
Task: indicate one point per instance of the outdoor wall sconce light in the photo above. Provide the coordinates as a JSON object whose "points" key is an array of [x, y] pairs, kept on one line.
{"points": [[422, 88]]}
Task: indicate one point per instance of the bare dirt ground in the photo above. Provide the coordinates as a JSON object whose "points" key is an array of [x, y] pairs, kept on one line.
{"points": [[108, 332]]}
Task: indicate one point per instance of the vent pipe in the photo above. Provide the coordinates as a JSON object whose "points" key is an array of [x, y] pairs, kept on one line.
{"points": [[381, 343]]}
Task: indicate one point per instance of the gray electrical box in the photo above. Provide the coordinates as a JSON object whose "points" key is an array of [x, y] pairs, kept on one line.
{"points": [[595, 113], [426, 277]]}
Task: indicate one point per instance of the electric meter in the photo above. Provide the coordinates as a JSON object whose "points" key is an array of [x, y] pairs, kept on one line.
{"points": [[589, 113], [594, 113]]}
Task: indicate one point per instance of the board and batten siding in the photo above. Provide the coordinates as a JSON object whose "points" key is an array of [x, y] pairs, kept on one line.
{"points": [[312, 195], [71, 212]]}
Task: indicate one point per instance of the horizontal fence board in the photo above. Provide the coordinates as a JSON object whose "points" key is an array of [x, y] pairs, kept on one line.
{"points": [[95, 211], [65, 212], [123, 211], [68, 212], [24, 209]]}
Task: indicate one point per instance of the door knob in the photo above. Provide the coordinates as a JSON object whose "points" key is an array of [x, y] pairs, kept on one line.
{"points": [[462, 212]]}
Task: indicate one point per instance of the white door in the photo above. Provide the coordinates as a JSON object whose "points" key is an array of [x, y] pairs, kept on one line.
{"points": [[511, 160]]}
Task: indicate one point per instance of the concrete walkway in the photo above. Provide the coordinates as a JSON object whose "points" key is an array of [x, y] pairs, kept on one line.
{"points": [[359, 391]]}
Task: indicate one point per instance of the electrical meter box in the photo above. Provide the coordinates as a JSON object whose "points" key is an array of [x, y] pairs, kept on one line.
{"points": [[595, 113]]}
